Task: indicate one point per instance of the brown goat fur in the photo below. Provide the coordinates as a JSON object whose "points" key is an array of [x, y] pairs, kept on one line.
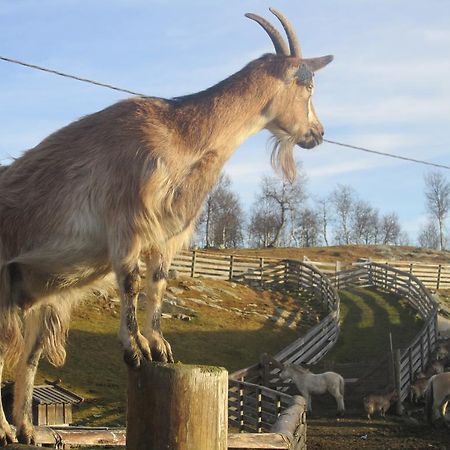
{"points": [[124, 184], [379, 403]]}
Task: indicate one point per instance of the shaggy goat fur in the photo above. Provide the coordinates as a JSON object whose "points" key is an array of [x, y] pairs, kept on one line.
{"points": [[124, 184]]}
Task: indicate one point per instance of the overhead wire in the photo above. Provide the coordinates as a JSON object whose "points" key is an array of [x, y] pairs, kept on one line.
{"points": [[128, 91]]}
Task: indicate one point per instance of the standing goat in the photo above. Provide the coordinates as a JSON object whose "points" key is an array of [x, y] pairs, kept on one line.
{"points": [[379, 403], [310, 383], [127, 183]]}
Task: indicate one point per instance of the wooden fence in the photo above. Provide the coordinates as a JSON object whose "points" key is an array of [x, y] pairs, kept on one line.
{"points": [[413, 358], [254, 409], [433, 276]]}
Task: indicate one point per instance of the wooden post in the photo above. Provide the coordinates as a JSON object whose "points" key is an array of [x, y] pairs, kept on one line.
{"points": [[177, 407], [261, 269], [336, 274], [194, 256], [231, 271], [398, 382], [438, 281]]}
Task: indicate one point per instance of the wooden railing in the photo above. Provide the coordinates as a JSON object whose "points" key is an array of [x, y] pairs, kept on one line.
{"points": [[413, 358], [433, 276], [296, 276], [254, 409], [253, 406]]}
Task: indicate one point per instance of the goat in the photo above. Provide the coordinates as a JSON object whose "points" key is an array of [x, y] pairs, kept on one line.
{"points": [[418, 389], [437, 397], [309, 383], [124, 184], [379, 403]]}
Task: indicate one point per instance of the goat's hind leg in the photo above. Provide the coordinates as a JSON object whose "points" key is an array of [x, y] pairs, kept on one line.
{"points": [[6, 433], [25, 373]]}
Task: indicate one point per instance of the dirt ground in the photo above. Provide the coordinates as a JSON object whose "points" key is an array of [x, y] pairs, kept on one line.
{"points": [[356, 432]]}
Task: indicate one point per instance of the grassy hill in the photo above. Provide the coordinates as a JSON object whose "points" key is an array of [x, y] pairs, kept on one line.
{"points": [[232, 327]]}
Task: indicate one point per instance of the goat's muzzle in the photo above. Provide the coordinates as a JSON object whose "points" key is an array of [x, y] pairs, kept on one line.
{"points": [[311, 139]]}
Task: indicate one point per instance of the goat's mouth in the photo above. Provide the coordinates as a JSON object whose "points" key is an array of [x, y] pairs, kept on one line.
{"points": [[310, 140]]}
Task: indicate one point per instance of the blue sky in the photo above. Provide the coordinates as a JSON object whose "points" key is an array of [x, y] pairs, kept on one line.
{"points": [[388, 88]]}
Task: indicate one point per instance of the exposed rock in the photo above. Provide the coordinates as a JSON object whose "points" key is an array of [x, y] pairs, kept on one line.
{"points": [[172, 274], [175, 290], [171, 307]]}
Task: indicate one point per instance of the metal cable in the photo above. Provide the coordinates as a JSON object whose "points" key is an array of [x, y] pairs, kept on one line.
{"points": [[62, 74], [127, 91], [376, 152]]}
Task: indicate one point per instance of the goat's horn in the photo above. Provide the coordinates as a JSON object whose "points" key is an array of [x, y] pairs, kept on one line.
{"points": [[294, 45], [275, 36]]}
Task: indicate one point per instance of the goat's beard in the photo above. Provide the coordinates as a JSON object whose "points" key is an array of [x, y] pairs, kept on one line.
{"points": [[282, 157]]}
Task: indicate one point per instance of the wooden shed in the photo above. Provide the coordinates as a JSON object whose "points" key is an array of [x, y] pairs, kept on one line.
{"points": [[52, 404]]}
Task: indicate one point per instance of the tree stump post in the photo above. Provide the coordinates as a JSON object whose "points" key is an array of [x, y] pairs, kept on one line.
{"points": [[177, 407]]}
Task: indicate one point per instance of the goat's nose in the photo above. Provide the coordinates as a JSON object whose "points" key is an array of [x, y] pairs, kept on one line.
{"points": [[322, 133]]}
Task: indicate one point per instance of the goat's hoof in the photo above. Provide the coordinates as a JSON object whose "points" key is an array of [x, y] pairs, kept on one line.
{"points": [[161, 349], [6, 435], [132, 359], [144, 347], [25, 435]]}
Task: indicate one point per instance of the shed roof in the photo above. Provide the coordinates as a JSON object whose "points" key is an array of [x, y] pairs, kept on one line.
{"points": [[48, 394]]}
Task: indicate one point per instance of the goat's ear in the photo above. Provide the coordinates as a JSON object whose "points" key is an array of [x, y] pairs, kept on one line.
{"points": [[316, 64]]}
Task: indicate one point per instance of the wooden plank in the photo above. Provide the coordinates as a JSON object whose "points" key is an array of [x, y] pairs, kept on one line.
{"points": [[80, 436], [257, 440]]}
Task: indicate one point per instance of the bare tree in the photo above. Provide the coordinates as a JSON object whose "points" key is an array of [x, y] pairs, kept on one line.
{"points": [[323, 207], [364, 223], [390, 229], [263, 224], [308, 228], [343, 198], [429, 236], [284, 199], [437, 194], [221, 222]]}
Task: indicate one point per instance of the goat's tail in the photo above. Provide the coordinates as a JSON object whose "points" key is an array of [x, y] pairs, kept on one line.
{"points": [[429, 401], [11, 338]]}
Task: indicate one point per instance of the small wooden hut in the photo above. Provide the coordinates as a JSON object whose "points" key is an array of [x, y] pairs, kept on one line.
{"points": [[52, 404]]}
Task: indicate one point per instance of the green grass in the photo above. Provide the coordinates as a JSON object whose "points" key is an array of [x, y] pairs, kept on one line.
{"points": [[367, 318], [95, 370]]}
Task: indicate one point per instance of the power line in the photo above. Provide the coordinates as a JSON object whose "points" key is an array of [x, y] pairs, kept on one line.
{"points": [[73, 77], [127, 91], [390, 155]]}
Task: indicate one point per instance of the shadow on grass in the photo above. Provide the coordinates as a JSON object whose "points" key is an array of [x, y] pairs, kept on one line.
{"points": [[368, 316], [95, 369]]}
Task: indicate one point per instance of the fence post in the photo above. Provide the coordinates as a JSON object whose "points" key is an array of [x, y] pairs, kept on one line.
{"points": [[194, 257], [336, 274], [177, 407], [261, 268], [438, 281], [398, 382], [231, 274]]}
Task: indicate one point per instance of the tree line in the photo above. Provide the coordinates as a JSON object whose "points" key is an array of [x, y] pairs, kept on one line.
{"points": [[283, 214]]}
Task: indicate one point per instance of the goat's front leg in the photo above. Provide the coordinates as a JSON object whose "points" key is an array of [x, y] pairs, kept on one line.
{"points": [[156, 282], [136, 348]]}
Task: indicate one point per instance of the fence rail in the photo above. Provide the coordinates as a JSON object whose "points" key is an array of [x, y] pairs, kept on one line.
{"points": [[413, 358], [410, 280], [433, 276], [252, 406]]}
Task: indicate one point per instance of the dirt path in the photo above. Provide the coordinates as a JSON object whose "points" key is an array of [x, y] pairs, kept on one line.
{"points": [[355, 433]]}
